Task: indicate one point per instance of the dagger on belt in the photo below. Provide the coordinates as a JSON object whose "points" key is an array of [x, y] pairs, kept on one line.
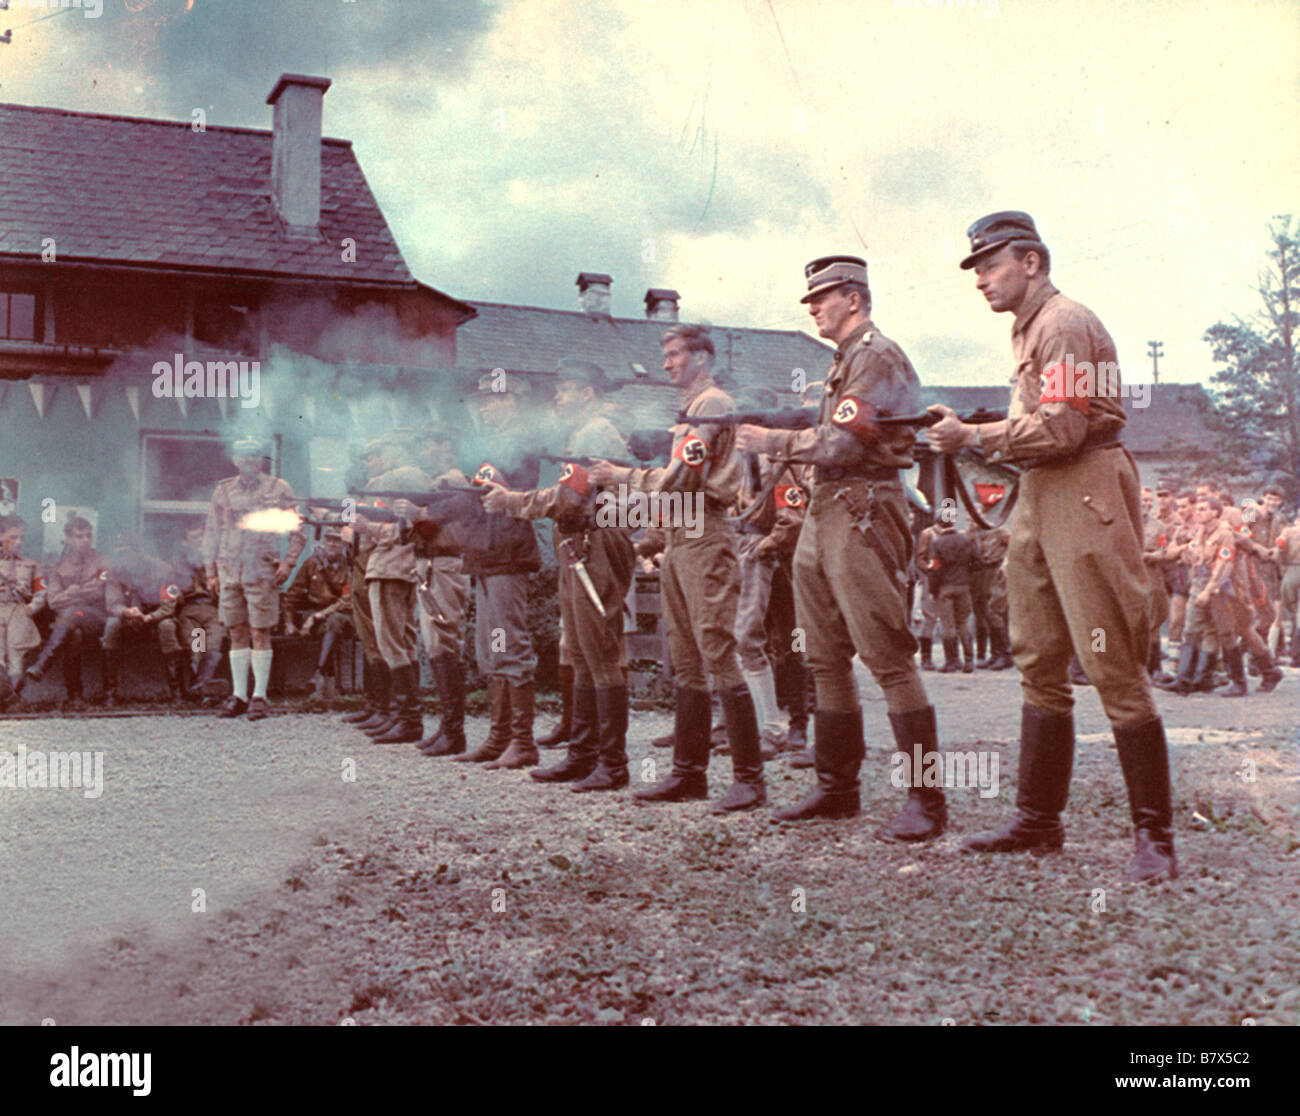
{"points": [[579, 568]]}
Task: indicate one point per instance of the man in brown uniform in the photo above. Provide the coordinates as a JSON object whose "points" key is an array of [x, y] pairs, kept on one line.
{"points": [[1075, 572], [989, 594], [850, 566], [700, 583], [246, 571], [595, 644], [1287, 548], [193, 609], [22, 596], [952, 562], [75, 592], [321, 594]]}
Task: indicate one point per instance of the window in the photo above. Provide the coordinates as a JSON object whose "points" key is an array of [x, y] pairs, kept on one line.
{"points": [[225, 327], [178, 472], [18, 315]]}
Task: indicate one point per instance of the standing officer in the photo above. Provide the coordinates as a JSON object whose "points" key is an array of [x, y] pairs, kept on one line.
{"points": [[1074, 566], [988, 595], [391, 579], [246, 571], [500, 554], [593, 643], [850, 566], [1287, 549], [443, 595], [700, 583], [75, 592], [952, 561], [22, 596]]}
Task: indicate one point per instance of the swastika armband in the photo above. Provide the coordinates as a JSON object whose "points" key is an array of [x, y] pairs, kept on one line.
{"points": [[573, 476], [694, 451], [856, 415], [1225, 553], [486, 474], [790, 496], [1063, 383], [168, 593]]}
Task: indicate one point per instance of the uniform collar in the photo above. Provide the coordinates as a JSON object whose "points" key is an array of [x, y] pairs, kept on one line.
{"points": [[1031, 306], [702, 383], [244, 483], [852, 339]]}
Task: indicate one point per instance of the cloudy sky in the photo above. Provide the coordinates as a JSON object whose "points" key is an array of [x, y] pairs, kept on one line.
{"points": [[714, 146]]}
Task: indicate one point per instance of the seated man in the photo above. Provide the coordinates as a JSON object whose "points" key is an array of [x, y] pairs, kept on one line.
{"points": [[137, 584], [321, 594], [75, 592], [188, 624], [22, 596]]}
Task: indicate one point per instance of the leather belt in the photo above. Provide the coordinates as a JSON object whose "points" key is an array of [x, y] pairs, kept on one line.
{"points": [[1106, 442]]}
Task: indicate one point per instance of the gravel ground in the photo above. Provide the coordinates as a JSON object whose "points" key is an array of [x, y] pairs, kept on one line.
{"points": [[342, 880]]}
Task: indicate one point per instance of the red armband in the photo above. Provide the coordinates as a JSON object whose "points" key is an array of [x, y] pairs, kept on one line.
{"points": [[856, 416], [694, 451], [1063, 383], [574, 477]]}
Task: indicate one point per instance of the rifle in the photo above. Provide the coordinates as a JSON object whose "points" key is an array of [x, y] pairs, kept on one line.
{"points": [[805, 420], [588, 462]]}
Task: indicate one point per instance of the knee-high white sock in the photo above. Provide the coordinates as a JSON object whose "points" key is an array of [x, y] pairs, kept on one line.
{"points": [[239, 671], [261, 672], [762, 688]]}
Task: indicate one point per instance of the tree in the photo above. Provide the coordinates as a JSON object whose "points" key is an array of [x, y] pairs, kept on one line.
{"points": [[1257, 392]]}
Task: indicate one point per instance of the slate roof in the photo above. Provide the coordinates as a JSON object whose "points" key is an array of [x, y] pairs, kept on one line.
{"points": [[127, 190]]}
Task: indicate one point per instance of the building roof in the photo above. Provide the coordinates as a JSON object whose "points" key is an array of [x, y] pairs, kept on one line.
{"points": [[130, 191], [534, 339]]}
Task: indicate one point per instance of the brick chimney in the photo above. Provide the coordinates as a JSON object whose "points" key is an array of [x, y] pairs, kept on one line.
{"points": [[593, 293], [295, 150], [661, 304]]}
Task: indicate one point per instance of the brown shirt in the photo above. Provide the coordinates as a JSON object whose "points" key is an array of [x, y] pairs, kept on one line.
{"points": [[870, 369], [78, 582], [238, 553], [20, 583], [703, 457], [1066, 385]]}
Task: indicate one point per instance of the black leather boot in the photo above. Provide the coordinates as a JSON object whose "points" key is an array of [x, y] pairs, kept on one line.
{"points": [[839, 747], [1077, 675], [522, 751], [1236, 687], [175, 665], [498, 737], [1000, 646], [561, 733], [205, 681], [1181, 683], [967, 659], [384, 714], [1144, 756], [925, 813], [691, 746], [927, 648], [951, 662], [584, 741], [748, 790], [112, 675], [61, 634], [981, 647], [449, 676], [370, 687], [1203, 683], [611, 719], [408, 723], [1046, 761]]}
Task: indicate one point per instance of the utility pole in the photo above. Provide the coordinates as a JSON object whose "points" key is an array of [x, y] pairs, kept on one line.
{"points": [[1155, 350]]}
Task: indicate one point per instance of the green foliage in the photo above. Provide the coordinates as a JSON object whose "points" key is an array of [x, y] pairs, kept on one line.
{"points": [[1257, 391]]}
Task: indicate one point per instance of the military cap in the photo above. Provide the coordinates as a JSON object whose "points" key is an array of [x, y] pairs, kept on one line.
{"points": [[333, 533], [500, 382], [1273, 489], [828, 272], [585, 372], [247, 446], [989, 233]]}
